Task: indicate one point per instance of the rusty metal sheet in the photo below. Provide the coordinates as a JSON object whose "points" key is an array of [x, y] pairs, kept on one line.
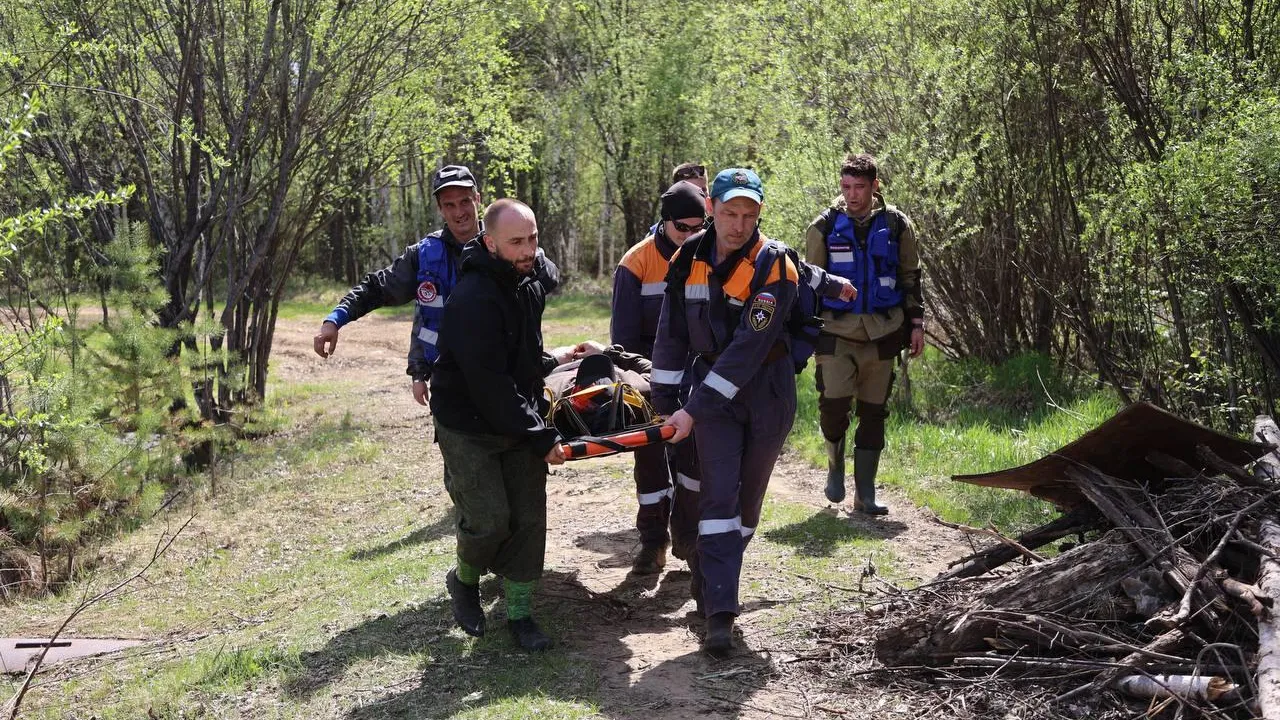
{"points": [[1119, 447], [17, 653]]}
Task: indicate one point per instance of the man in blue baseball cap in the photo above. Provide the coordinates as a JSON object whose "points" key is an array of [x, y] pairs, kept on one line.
{"points": [[733, 317]]}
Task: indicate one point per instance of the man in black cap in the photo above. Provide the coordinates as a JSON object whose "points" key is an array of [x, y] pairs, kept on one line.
{"points": [[639, 283], [426, 272]]}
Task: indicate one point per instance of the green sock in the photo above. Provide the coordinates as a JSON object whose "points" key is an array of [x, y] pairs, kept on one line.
{"points": [[519, 598], [467, 574]]}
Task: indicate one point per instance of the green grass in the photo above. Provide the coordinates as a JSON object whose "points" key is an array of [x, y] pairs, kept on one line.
{"points": [[573, 317], [318, 297], [969, 417]]}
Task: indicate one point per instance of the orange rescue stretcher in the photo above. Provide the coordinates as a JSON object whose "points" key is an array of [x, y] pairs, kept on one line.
{"points": [[589, 446]]}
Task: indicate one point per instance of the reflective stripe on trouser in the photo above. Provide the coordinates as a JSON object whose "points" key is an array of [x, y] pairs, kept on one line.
{"points": [[654, 493], [684, 512], [499, 492], [738, 444]]}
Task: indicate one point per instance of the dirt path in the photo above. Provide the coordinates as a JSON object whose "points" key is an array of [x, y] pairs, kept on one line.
{"points": [[639, 633]]}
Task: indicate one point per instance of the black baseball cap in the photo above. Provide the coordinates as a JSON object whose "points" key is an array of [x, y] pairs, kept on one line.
{"points": [[594, 369], [452, 176]]}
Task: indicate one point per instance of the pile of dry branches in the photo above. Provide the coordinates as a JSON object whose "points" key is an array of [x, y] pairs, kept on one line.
{"points": [[1171, 595]]}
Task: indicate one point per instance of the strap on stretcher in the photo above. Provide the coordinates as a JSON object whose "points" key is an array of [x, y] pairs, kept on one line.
{"points": [[592, 446]]}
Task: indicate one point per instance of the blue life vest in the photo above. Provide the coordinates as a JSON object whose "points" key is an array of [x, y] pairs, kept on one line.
{"points": [[437, 274], [872, 267]]}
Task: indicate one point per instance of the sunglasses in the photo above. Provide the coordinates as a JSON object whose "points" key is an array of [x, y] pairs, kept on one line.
{"points": [[686, 228], [692, 172]]}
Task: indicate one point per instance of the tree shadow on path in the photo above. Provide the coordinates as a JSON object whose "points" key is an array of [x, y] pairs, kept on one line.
{"points": [[632, 658], [443, 526], [821, 534]]}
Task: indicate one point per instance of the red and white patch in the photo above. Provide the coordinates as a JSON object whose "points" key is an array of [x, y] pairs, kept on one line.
{"points": [[427, 292]]}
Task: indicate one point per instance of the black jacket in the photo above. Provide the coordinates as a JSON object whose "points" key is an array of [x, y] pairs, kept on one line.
{"points": [[398, 283], [489, 376]]}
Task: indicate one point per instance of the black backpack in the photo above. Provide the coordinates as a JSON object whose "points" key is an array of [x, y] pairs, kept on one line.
{"points": [[803, 324]]}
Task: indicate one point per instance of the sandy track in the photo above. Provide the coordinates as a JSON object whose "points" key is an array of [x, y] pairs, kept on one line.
{"points": [[639, 633]]}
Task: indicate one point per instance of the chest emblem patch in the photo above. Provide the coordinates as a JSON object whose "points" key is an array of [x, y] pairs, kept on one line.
{"points": [[761, 312], [427, 292]]}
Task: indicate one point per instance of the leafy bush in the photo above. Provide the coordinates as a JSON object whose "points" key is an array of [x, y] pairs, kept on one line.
{"points": [[87, 423]]}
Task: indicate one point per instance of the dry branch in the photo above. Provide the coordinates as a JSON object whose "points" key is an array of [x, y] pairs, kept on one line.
{"points": [[1186, 566], [1185, 687], [1269, 629], [993, 533], [1077, 521], [1266, 430]]}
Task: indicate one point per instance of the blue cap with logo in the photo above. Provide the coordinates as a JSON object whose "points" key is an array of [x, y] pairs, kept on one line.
{"points": [[737, 182]]}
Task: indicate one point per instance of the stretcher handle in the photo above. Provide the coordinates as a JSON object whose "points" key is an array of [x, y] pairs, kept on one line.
{"points": [[591, 446]]}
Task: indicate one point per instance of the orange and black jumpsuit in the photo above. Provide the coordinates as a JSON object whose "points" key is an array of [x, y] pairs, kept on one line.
{"points": [[639, 283], [742, 396]]}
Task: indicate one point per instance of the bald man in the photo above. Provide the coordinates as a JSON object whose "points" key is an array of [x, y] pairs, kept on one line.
{"points": [[486, 399]]}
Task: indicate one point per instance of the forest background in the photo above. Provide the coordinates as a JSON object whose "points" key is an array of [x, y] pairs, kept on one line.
{"points": [[1095, 184]]}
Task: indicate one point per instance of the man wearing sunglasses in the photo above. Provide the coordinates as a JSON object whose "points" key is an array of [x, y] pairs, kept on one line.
{"points": [[690, 172], [639, 283], [873, 244]]}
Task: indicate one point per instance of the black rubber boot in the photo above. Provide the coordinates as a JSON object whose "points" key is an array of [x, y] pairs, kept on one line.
{"points": [[650, 560], [528, 635], [695, 584], [865, 465], [465, 601], [719, 639], [835, 471]]}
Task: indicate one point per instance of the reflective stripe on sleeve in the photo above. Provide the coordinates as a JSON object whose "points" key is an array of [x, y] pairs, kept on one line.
{"points": [[697, 292], [689, 483], [842, 257], [715, 527], [748, 531], [654, 498], [814, 280], [428, 336], [653, 288], [436, 302], [666, 377], [717, 382], [736, 302]]}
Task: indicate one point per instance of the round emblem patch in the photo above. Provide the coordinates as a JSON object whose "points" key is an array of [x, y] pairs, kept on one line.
{"points": [[740, 178], [427, 292]]}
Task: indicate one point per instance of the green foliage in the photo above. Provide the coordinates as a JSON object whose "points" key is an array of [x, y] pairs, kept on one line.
{"points": [[971, 417], [1092, 182], [85, 408]]}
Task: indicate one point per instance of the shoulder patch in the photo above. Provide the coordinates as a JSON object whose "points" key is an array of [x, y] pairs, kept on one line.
{"points": [[761, 312]]}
